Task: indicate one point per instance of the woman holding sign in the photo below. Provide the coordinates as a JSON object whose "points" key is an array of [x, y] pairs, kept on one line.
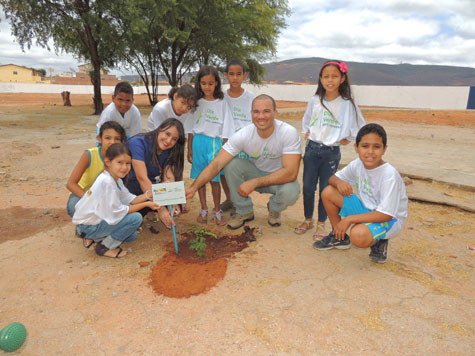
{"points": [[157, 157]]}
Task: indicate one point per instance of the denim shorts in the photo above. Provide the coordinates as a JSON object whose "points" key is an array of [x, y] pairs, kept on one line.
{"points": [[352, 205]]}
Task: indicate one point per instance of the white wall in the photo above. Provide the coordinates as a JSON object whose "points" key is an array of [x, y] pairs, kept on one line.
{"points": [[450, 98]]}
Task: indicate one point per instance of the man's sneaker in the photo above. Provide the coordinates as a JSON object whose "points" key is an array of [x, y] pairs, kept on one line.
{"points": [[227, 205], [379, 251], [274, 217], [237, 220], [330, 241]]}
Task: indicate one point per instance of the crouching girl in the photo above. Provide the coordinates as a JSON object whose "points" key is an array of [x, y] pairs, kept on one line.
{"points": [[107, 212]]}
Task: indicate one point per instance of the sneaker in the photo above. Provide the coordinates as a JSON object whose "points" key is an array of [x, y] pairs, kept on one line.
{"points": [[330, 241], [237, 220], [274, 217], [379, 251], [227, 205]]}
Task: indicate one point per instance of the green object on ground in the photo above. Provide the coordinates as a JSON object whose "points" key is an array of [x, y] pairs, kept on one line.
{"points": [[12, 337]]}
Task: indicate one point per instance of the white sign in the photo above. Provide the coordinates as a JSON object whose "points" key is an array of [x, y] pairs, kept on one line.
{"points": [[169, 193]]}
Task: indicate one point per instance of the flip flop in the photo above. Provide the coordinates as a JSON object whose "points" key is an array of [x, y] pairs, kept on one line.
{"points": [[304, 227], [84, 239], [101, 250]]}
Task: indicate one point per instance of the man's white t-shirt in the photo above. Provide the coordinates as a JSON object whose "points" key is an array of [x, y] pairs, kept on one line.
{"points": [[266, 153], [381, 189], [240, 108], [131, 121], [161, 111], [106, 200], [211, 118], [330, 127]]}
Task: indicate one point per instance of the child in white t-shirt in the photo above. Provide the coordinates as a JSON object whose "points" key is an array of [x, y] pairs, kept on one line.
{"points": [[122, 110], [179, 103], [210, 125], [107, 212], [240, 103], [378, 212]]}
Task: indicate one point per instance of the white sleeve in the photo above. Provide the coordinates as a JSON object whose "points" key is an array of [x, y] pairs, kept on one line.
{"points": [[348, 174], [308, 115], [228, 121], [390, 194], [234, 144], [126, 196], [103, 118], [292, 143], [155, 119], [356, 124], [136, 124]]}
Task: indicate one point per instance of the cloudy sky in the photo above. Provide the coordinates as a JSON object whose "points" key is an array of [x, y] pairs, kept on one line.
{"points": [[374, 31]]}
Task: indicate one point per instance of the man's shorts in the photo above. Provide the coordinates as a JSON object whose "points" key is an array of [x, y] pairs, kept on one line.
{"points": [[352, 206], [204, 148]]}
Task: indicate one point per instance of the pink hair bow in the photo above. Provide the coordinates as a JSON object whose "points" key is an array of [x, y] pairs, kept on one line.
{"points": [[342, 65]]}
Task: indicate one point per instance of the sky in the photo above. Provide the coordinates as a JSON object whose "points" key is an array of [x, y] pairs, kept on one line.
{"points": [[371, 31]]}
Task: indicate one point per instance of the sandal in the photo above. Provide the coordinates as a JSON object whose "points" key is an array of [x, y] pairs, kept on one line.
{"points": [[304, 227], [203, 216], [219, 218], [85, 241], [101, 250], [319, 235]]}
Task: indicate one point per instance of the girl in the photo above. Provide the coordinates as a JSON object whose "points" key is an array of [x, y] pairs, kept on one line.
{"points": [[91, 163], [332, 119], [107, 211], [210, 123], [179, 102], [157, 156]]}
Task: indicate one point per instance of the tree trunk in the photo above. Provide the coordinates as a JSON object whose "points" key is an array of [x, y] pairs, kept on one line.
{"points": [[96, 82], [66, 98]]}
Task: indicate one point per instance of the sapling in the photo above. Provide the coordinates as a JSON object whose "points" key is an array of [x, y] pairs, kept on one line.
{"points": [[198, 244]]}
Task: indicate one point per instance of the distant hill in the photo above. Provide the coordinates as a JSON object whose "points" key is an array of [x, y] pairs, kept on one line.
{"points": [[307, 69]]}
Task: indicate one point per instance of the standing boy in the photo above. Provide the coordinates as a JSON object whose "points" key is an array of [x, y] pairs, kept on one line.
{"points": [[122, 110], [240, 102], [378, 212]]}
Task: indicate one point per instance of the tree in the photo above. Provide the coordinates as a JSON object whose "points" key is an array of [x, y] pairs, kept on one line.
{"points": [[84, 28], [172, 37]]}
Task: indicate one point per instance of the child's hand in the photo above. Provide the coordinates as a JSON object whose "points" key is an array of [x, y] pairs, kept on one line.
{"points": [[344, 142], [190, 156], [152, 205], [176, 210], [164, 216], [340, 229], [190, 193], [344, 188]]}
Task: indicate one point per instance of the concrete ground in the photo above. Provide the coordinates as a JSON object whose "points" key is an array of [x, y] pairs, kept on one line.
{"points": [[278, 297]]}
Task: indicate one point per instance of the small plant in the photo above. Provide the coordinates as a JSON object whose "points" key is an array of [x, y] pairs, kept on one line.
{"points": [[198, 244]]}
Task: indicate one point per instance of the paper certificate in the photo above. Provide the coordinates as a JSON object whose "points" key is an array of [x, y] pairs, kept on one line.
{"points": [[169, 193]]}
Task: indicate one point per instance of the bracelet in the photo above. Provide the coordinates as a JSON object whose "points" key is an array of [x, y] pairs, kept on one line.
{"points": [[146, 196]]}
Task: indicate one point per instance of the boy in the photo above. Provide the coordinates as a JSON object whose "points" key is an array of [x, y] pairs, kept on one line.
{"points": [[122, 110], [240, 102], [378, 212]]}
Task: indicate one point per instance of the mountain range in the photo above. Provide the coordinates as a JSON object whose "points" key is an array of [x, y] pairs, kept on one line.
{"points": [[305, 70]]}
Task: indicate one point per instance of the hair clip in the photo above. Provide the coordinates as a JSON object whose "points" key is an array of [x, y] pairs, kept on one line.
{"points": [[342, 65]]}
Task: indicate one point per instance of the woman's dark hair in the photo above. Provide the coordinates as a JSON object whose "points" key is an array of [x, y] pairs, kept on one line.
{"points": [[176, 156], [116, 127], [207, 70], [344, 89], [187, 92], [117, 149], [372, 128]]}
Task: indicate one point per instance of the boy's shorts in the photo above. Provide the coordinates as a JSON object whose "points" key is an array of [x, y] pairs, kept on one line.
{"points": [[204, 148], [352, 206]]}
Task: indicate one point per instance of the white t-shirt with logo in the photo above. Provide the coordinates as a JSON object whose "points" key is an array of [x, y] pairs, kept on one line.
{"points": [[265, 153], [106, 200], [381, 189], [330, 127], [131, 121], [161, 111], [240, 108], [211, 118]]}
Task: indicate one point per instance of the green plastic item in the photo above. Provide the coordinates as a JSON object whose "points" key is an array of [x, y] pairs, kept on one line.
{"points": [[12, 337]]}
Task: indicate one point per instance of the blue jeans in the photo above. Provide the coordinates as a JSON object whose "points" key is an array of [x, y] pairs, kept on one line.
{"points": [[71, 205], [239, 171], [113, 235], [320, 162]]}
